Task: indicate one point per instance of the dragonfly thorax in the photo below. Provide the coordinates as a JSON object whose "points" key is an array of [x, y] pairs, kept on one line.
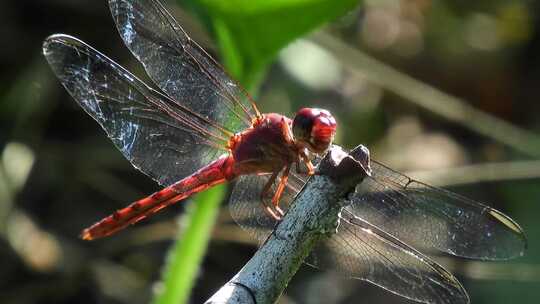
{"points": [[264, 148]]}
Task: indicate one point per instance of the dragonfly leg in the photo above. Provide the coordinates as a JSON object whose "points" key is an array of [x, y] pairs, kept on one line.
{"points": [[309, 165], [265, 192], [287, 132], [272, 213], [279, 191], [289, 138]]}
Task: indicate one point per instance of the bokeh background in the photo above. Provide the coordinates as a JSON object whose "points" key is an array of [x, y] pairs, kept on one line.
{"points": [[446, 91]]}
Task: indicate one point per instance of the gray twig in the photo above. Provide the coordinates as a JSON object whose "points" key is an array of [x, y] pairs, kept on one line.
{"points": [[312, 216]]}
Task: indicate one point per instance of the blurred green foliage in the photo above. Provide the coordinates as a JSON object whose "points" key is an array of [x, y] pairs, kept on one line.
{"points": [[250, 33], [487, 53]]}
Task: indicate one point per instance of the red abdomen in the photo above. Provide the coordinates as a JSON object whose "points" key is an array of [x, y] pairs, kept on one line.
{"points": [[215, 173]]}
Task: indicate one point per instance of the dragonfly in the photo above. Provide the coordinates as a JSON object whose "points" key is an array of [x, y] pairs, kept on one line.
{"points": [[200, 129]]}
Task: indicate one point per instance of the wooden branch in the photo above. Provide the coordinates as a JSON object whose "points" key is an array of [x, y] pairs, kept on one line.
{"points": [[312, 216]]}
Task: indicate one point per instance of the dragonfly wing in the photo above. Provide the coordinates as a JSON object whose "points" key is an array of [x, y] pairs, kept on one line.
{"points": [[427, 217], [246, 206], [152, 132], [358, 249], [179, 66], [363, 251]]}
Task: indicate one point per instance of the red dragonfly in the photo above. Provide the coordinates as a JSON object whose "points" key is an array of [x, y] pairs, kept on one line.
{"points": [[201, 129]]}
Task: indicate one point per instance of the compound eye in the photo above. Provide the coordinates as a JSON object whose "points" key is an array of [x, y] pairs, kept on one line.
{"points": [[314, 129]]}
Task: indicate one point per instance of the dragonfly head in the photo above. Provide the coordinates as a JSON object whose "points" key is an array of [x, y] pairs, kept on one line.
{"points": [[314, 129]]}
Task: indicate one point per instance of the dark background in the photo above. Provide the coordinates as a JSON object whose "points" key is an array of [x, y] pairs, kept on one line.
{"points": [[59, 173]]}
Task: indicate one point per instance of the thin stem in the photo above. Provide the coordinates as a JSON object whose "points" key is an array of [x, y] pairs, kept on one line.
{"points": [[430, 98], [471, 174], [188, 251]]}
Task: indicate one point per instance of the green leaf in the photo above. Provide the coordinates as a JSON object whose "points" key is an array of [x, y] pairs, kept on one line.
{"points": [[251, 32], [185, 257]]}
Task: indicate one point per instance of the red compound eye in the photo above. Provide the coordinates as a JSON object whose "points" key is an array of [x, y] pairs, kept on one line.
{"points": [[314, 129]]}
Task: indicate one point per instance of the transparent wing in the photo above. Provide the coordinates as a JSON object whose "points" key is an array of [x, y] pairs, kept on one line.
{"points": [[180, 67], [246, 207], [158, 136], [357, 250], [363, 251], [388, 215], [432, 218]]}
